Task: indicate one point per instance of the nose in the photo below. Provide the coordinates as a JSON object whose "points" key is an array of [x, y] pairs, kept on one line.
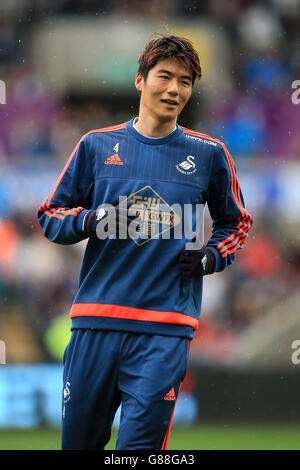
{"points": [[173, 87]]}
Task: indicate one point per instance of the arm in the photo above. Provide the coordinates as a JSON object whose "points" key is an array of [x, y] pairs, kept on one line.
{"points": [[61, 214], [231, 221]]}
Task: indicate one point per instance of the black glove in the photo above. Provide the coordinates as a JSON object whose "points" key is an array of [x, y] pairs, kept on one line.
{"points": [[114, 219], [197, 263]]}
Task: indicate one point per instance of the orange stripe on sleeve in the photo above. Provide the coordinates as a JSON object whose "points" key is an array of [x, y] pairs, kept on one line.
{"points": [[60, 214], [236, 236], [242, 227], [228, 252], [57, 216]]}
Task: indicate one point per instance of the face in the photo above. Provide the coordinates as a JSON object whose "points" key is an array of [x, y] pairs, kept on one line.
{"points": [[166, 90]]}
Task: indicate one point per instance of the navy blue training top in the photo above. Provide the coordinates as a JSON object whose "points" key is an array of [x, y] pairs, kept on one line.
{"points": [[135, 284]]}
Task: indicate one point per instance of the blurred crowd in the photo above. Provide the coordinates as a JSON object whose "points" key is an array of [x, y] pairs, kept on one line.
{"points": [[255, 118]]}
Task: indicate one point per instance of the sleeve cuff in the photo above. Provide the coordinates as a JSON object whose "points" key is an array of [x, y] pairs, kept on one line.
{"points": [[218, 266], [79, 222]]}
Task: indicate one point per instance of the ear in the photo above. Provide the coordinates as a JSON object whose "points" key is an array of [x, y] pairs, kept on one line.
{"points": [[139, 82]]}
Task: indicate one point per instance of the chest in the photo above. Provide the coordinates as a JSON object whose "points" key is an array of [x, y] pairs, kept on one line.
{"points": [[181, 163]]}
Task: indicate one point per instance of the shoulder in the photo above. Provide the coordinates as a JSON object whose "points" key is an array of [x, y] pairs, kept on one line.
{"points": [[220, 152], [200, 137], [90, 135]]}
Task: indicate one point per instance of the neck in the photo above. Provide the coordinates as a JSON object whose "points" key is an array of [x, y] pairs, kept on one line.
{"points": [[150, 126]]}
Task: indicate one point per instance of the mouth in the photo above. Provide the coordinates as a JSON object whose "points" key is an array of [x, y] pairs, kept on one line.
{"points": [[170, 103]]}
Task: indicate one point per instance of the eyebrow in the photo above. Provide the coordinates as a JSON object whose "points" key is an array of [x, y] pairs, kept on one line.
{"points": [[170, 73]]}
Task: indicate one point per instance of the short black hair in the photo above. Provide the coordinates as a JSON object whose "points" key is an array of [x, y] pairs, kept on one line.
{"points": [[165, 47]]}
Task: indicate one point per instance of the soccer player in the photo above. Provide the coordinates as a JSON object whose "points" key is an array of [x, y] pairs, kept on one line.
{"points": [[139, 295]]}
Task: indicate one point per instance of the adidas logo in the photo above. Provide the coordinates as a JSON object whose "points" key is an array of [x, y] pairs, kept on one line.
{"points": [[170, 395], [114, 160]]}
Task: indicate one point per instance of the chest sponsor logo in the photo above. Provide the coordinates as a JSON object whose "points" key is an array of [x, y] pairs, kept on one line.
{"points": [[156, 216], [188, 166], [144, 216]]}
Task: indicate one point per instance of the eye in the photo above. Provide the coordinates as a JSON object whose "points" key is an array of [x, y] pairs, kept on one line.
{"points": [[163, 76], [185, 83]]}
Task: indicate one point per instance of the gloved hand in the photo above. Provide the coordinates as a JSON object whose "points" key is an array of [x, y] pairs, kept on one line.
{"points": [[197, 263], [114, 221]]}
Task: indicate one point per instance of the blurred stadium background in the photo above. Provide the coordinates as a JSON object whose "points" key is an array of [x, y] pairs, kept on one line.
{"points": [[68, 66]]}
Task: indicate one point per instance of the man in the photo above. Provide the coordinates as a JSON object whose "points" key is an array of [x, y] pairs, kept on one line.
{"points": [[139, 294]]}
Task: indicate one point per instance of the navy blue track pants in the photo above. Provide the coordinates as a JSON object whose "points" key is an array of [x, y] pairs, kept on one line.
{"points": [[103, 369]]}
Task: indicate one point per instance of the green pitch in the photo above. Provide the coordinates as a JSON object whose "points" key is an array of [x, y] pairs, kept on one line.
{"points": [[197, 437]]}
